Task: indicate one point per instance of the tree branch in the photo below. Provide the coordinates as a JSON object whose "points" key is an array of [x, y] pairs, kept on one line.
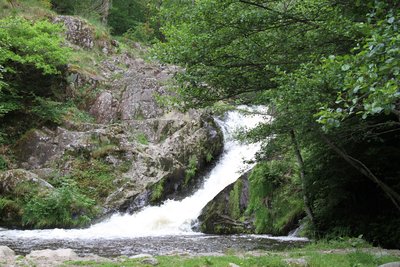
{"points": [[362, 168]]}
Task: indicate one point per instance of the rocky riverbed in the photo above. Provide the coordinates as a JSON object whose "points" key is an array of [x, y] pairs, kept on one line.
{"points": [[33, 252], [277, 253]]}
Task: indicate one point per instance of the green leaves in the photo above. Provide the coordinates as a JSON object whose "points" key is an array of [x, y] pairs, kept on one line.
{"points": [[37, 43], [64, 207], [32, 55], [370, 84]]}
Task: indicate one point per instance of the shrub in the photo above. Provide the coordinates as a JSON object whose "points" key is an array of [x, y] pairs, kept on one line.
{"points": [[64, 207], [157, 191]]}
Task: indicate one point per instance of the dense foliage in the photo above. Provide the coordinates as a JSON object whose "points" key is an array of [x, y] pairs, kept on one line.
{"points": [[34, 48], [33, 63], [329, 71]]}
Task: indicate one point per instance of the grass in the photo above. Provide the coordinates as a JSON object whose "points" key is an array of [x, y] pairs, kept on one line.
{"points": [[318, 254]]}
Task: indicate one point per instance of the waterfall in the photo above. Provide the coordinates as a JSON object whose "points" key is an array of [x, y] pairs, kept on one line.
{"points": [[174, 217]]}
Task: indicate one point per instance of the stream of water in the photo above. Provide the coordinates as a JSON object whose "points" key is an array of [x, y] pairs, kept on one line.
{"points": [[166, 228]]}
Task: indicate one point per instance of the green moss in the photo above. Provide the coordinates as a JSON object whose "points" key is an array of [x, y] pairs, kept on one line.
{"points": [[72, 113], [234, 200], [275, 197], [209, 157], [142, 139], [95, 177], [125, 166]]}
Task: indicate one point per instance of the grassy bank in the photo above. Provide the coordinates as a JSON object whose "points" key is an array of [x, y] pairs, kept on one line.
{"points": [[351, 252]]}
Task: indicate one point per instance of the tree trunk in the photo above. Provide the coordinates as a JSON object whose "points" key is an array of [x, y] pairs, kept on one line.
{"points": [[300, 161]]}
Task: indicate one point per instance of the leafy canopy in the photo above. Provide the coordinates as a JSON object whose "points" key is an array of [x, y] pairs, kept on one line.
{"points": [[27, 49]]}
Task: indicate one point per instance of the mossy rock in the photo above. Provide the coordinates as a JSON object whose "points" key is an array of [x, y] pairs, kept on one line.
{"points": [[16, 188], [225, 213]]}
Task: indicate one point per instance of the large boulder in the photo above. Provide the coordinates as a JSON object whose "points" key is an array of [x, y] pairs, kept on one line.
{"points": [[161, 170], [78, 32], [278, 211], [224, 213], [58, 257], [7, 256], [10, 181]]}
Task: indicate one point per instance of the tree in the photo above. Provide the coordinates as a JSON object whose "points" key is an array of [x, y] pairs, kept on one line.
{"points": [[31, 58], [125, 15], [304, 59], [236, 47]]}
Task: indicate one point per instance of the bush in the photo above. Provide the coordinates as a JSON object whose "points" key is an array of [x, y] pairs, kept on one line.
{"points": [[141, 33], [64, 207], [31, 61]]}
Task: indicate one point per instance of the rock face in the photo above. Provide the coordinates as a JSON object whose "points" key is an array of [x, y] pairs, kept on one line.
{"points": [[158, 152], [224, 213], [152, 149], [10, 180], [80, 33], [277, 213]]}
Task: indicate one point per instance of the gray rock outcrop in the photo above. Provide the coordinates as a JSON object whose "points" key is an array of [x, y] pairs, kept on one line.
{"points": [[11, 179], [7, 256], [222, 214], [146, 148], [82, 34]]}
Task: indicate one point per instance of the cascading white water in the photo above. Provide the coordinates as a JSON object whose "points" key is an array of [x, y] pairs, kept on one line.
{"points": [[173, 217]]}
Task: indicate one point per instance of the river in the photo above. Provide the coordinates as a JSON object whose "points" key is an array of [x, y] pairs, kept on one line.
{"points": [[167, 228]]}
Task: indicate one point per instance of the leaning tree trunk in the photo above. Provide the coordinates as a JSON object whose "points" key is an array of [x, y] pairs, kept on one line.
{"points": [[362, 168], [300, 161]]}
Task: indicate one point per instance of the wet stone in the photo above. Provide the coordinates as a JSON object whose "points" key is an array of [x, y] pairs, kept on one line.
{"points": [[150, 261]]}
